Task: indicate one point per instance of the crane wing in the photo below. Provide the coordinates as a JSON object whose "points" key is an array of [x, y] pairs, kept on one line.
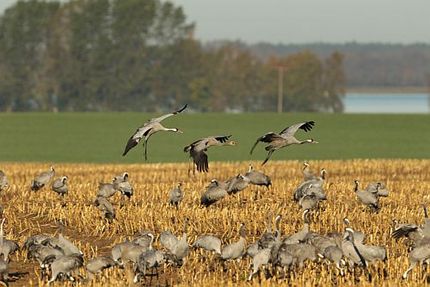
{"points": [[191, 146], [404, 230], [267, 138], [169, 241], [136, 137], [200, 158], [222, 139], [159, 119], [291, 130]]}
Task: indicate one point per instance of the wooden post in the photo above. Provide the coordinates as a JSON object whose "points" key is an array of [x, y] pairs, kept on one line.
{"points": [[280, 88]]}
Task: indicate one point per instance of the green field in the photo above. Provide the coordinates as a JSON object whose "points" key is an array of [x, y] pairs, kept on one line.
{"points": [[101, 137]]}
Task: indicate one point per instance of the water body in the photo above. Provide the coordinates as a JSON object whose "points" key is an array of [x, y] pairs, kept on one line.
{"points": [[386, 103]]}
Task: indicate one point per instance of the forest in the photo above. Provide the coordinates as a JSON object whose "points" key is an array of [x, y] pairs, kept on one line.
{"points": [[133, 55], [366, 65]]}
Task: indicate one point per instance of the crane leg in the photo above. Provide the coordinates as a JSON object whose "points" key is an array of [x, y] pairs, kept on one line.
{"points": [[146, 149], [268, 156]]}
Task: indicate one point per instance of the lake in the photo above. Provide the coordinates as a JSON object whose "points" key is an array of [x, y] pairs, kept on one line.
{"points": [[386, 103]]}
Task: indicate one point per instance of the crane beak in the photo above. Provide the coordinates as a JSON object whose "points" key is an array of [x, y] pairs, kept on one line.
{"points": [[179, 131]]}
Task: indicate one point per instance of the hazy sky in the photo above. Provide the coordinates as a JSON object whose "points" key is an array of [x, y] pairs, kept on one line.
{"points": [[300, 21]]}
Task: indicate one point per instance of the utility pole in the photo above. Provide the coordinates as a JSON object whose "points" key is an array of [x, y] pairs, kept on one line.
{"points": [[281, 69], [280, 88]]}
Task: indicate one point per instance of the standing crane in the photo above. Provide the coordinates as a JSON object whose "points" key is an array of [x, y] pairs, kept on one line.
{"points": [[148, 129], [284, 138]]}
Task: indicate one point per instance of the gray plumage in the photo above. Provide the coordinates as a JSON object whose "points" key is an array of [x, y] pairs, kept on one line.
{"points": [[323, 242], [217, 183], [59, 185], [350, 250], [4, 182], [168, 240], [311, 197], [260, 259], [176, 195], [302, 252], [237, 249], [258, 178], [177, 247], [121, 184], [285, 138], [41, 253], [4, 270], [311, 186], [117, 250], [412, 231], [208, 242], [212, 194], [98, 264], [309, 202], [419, 255], [106, 207], [123, 177], [148, 129], [148, 259], [237, 184], [252, 249], [7, 247], [42, 179], [65, 265], [145, 240], [334, 254], [106, 190], [367, 198], [300, 235], [317, 191], [268, 239], [307, 174], [124, 188], [267, 247], [118, 184], [132, 252], [382, 189], [283, 257], [198, 149], [63, 244], [417, 235], [35, 240], [370, 253]]}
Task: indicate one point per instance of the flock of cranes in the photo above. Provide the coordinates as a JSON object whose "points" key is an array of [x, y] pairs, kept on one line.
{"points": [[59, 257], [198, 148]]}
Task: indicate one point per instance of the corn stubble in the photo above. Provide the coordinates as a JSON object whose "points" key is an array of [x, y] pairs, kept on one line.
{"points": [[28, 213]]}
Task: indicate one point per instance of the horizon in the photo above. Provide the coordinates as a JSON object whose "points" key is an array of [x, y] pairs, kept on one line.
{"points": [[297, 22]]}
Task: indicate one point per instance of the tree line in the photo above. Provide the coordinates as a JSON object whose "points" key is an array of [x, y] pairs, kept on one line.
{"points": [[366, 64], [133, 55]]}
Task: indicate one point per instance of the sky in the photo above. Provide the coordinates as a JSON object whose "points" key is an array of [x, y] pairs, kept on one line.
{"points": [[305, 21]]}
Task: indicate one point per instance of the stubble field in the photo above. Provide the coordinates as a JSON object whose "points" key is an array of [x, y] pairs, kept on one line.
{"points": [[28, 213]]}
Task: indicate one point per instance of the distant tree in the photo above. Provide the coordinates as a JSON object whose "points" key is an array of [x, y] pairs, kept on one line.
{"points": [[24, 36], [311, 84], [303, 82], [333, 83]]}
